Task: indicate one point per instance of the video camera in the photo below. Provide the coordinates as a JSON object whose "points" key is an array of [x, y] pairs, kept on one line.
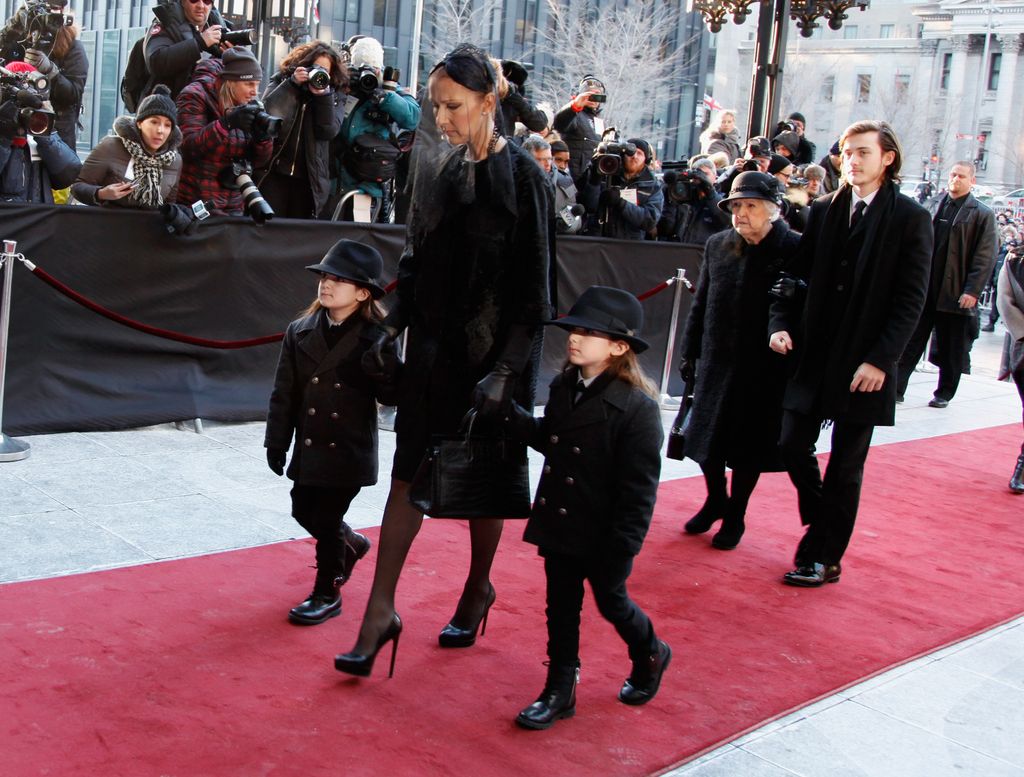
{"points": [[611, 157], [33, 26], [21, 100], [683, 185], [238, 175]]}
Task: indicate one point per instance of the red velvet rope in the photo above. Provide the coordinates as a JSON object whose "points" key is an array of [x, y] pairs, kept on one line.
{"points": [[205, 342]]}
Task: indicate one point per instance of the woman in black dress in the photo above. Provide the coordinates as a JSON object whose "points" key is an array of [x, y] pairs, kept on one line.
{"points": [[737, 400], [473, 292]]}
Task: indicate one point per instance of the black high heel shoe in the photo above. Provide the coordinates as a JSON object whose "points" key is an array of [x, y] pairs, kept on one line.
{"points": [[360, 665], [452, 636]]}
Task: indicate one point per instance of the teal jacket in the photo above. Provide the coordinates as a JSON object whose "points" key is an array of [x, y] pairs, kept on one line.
{"points": [[404, 112]]}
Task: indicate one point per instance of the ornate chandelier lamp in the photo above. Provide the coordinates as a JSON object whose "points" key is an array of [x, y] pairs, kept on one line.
{"points": [[804, 12]]}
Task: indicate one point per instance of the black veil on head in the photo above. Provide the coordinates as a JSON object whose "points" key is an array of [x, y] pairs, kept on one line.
{"points": [[443, 173]]}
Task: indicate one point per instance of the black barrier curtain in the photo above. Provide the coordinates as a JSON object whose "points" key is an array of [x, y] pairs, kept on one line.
{"points": [[69, 369]]}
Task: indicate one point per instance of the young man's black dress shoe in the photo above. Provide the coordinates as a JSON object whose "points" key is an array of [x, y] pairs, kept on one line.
{"points": [[938, 402], [643, 682], [557, 701], [317, 608], [813, 575], [1017, 478]]}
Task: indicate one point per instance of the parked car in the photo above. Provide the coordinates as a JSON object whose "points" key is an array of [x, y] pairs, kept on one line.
{"points": [[1012, 201]]}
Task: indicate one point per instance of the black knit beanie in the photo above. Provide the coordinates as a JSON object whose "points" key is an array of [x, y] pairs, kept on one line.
{"points": [[159, 103]]}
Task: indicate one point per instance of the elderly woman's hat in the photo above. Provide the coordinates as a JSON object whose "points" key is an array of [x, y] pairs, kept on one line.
{"points": [[352, 261], [613, 312], [753, 185]]}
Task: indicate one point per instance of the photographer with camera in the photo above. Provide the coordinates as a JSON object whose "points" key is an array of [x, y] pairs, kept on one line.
{"points": [[514, 105], [756, 159], [622, 195], [580, 125], [568, 214], [691, 213], [184, 33], [308, 94], [34, 160], [376, 105], [224, 131], [139, 165], [41, 35]]}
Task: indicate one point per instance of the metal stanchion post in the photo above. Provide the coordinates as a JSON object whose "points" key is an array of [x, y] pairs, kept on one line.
{"points": [[10, 449], [678, 283]]}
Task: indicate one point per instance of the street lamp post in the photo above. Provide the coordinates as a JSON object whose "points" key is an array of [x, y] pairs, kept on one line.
{"points": [[770, 49]]}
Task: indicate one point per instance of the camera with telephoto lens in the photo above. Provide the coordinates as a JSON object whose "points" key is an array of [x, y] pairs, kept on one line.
{"points": [[238, 175], [364, 81], [264, 125], [240, 37], [34, 26], [319, 78], [611, 157], [21, 100]]}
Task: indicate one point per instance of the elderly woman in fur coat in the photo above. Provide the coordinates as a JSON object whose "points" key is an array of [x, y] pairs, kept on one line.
{"points": [[737, 398], [139, 165]]}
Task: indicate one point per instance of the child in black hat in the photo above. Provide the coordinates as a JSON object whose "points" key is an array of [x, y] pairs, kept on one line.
{"points": [[326, 392], [601, 437]]}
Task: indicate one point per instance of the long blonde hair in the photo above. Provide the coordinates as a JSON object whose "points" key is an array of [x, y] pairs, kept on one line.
{"points": [[627, 368]]}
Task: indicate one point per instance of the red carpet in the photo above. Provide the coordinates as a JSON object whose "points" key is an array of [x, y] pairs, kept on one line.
{"points": [[189, 667]]}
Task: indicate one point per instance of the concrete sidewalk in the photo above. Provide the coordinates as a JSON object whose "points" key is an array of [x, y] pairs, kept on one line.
{"points": [[97, 500]]}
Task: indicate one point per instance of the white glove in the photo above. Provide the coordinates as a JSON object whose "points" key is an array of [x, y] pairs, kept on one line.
{"points": [[40, 62]]}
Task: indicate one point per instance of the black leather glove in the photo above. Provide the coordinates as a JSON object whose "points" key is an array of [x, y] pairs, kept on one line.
{"points": [[275, 460], [381, 366], [687, 371], [788, 288], [610, 197], [41, 62], [373, 360], [377, 96], [241, 118], [493, 394], [9, 125]]}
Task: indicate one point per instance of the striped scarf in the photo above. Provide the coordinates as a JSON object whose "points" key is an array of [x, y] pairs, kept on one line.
{"points": [[149, 172]]}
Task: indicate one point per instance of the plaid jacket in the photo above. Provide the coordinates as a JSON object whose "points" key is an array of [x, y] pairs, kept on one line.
{"points": [[208, 146]]}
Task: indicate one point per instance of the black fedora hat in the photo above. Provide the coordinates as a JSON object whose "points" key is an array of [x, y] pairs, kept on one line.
{"points": [[361, 264], [753, 185], [610, 311]]}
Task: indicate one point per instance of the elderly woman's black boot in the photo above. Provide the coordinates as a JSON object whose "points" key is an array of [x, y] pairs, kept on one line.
{"points": [[556, 701], [1017, 478], [714, 505]]}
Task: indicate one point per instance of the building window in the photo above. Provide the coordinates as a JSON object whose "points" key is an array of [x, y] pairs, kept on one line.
{"points": [[863, 88], [828, 89], [995, 64], [886, 30], [901, 87], [849, 31], [947, 65], [525, 23], [385, 13]]}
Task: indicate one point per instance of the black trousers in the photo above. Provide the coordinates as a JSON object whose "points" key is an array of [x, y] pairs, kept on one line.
{"points": [[291, 198], [321, 511], [1018, 379], [953, 340], [607, 576], [828, 507]]}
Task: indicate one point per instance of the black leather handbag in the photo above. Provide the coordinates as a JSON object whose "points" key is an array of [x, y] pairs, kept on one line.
{"points": [[677, 434], [463, 476]]}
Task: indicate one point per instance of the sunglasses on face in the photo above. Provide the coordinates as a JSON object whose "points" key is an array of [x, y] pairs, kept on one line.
{"points": [[204, 2]]}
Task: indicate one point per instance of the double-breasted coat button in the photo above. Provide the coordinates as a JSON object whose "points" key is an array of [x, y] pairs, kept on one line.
{"points": [[312, 411], [315, 381], [307, 442], [562, 511], [332, 446], [547, 469], [334, 416], [554, 439], [569, 482], [542, 501], [576, 450], [337, 385]]}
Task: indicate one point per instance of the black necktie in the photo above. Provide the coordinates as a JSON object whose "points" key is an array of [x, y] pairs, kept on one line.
{"points": [[578, 395], [858, 214]]}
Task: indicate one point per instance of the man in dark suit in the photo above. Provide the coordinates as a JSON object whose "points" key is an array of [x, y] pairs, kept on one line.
{"points": [[962, 260], [865, 256]]}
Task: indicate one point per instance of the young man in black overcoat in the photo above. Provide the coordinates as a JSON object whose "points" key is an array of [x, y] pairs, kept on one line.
{"points": [[866, 256]]}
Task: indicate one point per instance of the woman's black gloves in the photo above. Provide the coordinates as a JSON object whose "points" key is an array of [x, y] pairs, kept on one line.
{"points": [[275, 460]]}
